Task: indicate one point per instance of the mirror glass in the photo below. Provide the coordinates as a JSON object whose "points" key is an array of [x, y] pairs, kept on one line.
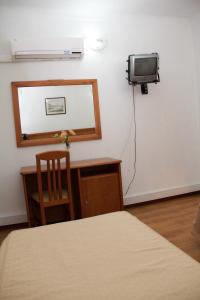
{"points": [[44, 108], [52, 108]]}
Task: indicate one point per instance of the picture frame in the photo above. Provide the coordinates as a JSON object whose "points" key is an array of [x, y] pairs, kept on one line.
{"points": [[55, 106]]}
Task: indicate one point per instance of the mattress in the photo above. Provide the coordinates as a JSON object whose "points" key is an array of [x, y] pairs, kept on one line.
{"points": [[112, 256]]}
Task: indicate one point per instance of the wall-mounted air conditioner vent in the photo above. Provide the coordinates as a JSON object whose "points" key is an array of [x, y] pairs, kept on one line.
{"points": [[47, 49]]}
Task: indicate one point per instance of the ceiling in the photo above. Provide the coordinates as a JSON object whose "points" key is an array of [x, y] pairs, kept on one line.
{"points": [[93, 8]]}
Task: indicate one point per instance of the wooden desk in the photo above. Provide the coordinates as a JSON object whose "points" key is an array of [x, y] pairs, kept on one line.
{"points": [[96, 187]]}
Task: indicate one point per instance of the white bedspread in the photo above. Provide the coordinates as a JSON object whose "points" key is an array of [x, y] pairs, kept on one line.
{"points": [[113, 256]]}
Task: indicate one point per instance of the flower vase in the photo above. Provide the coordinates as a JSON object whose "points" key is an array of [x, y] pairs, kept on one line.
{"points": [[67, 145]]}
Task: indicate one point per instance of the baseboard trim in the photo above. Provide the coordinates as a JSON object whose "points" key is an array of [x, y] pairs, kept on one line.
{"points": [[14, 219], [138, 198], [159, 194]]}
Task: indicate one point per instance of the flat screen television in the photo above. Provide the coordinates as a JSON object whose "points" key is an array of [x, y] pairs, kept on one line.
{"points": [[143, 68]]}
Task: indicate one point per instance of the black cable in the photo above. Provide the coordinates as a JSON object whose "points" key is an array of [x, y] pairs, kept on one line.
{"points": [[135, 148]]}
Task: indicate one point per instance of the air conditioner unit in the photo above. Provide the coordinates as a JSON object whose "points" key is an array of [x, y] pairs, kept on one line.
{"points": [[47, 49]]}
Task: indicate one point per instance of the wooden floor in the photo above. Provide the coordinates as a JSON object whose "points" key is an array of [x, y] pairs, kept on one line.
{"points": [[4, 231], [172, 218]]}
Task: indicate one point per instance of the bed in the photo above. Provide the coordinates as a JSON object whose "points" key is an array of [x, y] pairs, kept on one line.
{"points": [[112, 256]]}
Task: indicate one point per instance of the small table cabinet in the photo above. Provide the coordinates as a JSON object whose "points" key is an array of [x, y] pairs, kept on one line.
{"points": [[96, 187]]}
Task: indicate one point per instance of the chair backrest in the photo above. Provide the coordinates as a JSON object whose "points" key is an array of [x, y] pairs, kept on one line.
{"points": [[56, 187]]}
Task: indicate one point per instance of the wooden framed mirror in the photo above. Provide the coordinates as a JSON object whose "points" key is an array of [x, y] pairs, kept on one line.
{"points": [[45, 108]]}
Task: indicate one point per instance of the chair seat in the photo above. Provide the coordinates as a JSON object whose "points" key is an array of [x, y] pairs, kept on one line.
{"points": [[35, 196]]}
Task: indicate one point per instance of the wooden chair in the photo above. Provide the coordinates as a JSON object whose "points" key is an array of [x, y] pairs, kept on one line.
{"points": [[54, 182]]}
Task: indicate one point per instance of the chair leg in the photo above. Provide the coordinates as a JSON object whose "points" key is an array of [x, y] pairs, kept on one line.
{"points": [[43, 217]]}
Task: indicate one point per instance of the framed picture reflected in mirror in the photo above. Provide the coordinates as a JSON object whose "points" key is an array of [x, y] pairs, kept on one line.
{"points": [[55, 106]]}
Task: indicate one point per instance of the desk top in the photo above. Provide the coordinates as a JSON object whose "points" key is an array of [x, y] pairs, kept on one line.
{"points": [[78, 164]]}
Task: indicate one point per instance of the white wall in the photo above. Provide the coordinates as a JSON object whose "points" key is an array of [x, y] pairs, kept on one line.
{"points": [[195, 28], [167, 118]]}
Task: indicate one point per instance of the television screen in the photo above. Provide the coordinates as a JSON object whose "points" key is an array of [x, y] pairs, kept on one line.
{"points": [[145, 66]]}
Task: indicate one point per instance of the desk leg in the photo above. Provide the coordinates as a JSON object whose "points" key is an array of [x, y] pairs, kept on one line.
{"points": [[28, 210], [120, 187]]}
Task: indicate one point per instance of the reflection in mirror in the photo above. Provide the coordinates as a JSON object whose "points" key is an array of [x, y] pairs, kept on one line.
{"points": [[42, 108], [51, 108]]}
